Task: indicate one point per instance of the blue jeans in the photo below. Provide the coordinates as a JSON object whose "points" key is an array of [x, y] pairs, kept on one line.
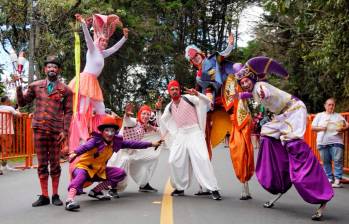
{"points": [[329, 153]]}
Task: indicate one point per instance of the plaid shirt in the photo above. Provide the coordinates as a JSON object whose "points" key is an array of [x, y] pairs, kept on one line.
{"points": [[53, 112]]}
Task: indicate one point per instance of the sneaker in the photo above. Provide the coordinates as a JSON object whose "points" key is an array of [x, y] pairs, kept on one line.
{"points": [[147, 188], [99, 195], [43, 200], [1, 173], [177, 193], [56, 200], [216, 195], [317, 216], [337, 183], [9, 168], [71, 205], [330, 180], [113, 193]]}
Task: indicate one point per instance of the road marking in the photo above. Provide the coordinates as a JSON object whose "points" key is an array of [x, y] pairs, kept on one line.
{"points": [[166, 216]]}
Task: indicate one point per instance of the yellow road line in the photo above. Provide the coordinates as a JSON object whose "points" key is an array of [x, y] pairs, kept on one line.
{"points": [[166, 216]]}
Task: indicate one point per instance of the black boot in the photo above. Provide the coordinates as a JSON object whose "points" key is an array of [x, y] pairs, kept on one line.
{"points": [[56, 200], [43, 200]]}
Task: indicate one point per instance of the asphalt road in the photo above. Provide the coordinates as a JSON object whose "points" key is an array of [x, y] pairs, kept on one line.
{"points": [[19, 189]]}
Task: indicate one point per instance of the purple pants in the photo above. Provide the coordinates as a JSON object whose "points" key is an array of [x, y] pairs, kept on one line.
{"points": [[80, 176], [278, 167]]}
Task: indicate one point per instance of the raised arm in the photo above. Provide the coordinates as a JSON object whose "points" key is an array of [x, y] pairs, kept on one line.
{"points": [[88, 38], [117, 46], [230, 47], [28, 97]]}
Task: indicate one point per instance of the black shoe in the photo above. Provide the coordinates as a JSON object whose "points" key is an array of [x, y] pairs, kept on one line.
{"points": [[113, 193], [246, 197], [216, 195], [56, 201], [71, 205], [317, 216], [203, 193], [43, 200], [147, 188], [177, 193], [99, 195]]}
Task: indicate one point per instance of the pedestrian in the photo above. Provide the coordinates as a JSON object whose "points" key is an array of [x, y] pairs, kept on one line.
{"points": [[139, 164], [330, 126], [183, 122], [51, 122], [6, 131], [94, 155], [90, 93], [284, 158]]}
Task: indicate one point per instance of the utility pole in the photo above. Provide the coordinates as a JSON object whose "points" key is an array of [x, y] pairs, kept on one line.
{"points": [[31, 41]]}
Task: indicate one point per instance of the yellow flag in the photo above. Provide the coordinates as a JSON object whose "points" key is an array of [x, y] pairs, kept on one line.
{"points": [[77, 71]]}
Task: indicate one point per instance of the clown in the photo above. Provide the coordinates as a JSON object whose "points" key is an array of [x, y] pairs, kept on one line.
{"points": [[183, 122], [94, 155], [284, 158], [90, 94], [227, 116], [139, 164]]}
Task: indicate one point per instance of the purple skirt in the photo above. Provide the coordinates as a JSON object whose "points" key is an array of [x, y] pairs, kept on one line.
{"points": [[278, 167]]}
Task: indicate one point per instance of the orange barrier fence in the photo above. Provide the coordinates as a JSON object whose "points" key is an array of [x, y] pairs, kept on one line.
{"points": [[310, 138], [16, 138]]}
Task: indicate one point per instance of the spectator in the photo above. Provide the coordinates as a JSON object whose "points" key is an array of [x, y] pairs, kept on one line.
{"points": [[6, 130], [329, 126]]}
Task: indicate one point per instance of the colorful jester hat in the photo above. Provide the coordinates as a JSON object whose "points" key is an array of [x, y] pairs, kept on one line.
{"points": [[258, 67]]}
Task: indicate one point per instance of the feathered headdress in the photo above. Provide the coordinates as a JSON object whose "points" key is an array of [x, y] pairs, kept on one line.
{"points": [[104, 26], [191, 51]]}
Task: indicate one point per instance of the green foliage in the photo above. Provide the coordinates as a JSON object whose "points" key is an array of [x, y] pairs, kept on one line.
{"points": [[311, 39]]}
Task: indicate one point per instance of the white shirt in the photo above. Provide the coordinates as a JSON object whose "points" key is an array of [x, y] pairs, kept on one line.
{"points": [[333, 122], [6, 119]]}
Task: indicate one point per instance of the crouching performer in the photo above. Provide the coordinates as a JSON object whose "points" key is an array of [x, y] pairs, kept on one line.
{"points": [[93, 157], [284, 158]]}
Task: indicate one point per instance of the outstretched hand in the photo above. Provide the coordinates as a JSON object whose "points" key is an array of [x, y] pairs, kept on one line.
{"points": [[157, 144], [125, 32], [129, 109], [191, 91], [72, 157], [158, 104], [231, 39]]}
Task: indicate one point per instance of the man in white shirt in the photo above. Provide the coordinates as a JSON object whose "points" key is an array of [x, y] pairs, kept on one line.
{"points": [[330, 126], [6, 130]]}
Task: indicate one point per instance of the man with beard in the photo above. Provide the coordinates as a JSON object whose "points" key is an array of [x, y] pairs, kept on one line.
{"points": [[183, 122], [51, 121]]}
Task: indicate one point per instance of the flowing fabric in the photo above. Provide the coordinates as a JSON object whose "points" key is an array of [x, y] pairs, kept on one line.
{"points": [[306, 173], [241, 153], [272, 168]]}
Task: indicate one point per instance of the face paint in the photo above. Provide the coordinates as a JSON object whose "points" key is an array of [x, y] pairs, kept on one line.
{"points": [[51, 71], [108, 134]]}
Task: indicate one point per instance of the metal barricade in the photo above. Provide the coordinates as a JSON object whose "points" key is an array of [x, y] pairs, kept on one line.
{"points": [[16, 138]]}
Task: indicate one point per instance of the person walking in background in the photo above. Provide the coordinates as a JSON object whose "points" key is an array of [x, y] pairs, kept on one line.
{"points": [[51, 122], [330, 126], [6, 131]]}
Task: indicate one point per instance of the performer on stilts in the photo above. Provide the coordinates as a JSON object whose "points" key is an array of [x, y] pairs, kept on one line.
{"points": [[93, 157], [284, 157], [227, 116], [90, 96], [138, 164]]}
